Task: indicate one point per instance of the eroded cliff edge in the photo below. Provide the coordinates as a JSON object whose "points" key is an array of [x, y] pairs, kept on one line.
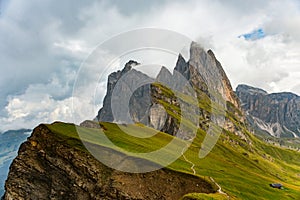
{"points": [[47, 167]]}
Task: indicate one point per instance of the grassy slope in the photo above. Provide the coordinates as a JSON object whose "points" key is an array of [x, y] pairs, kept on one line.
{"points": [[241, 173], [200, 196]]}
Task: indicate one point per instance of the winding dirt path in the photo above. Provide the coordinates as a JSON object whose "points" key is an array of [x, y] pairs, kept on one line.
{"points": [[219, 188], [193, 165], [194, 172]]}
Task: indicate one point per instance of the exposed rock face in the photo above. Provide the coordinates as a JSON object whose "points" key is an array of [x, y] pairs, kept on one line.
{"points": [[212, 72], [47, 168], [139, 101], [228, 94], [275, 114], [203, 71], [158, 116], [191, 73]]}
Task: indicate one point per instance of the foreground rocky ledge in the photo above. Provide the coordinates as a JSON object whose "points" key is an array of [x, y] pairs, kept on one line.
{"points": [[48, 168]]}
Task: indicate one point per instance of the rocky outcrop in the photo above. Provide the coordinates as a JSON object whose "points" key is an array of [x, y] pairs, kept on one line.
{"points": [[204, 73], [139, 102], [212, 72], [48, 168], [275, 114]]}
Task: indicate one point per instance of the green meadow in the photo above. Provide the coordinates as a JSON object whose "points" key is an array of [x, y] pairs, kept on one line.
{"points": [[243, 170]]}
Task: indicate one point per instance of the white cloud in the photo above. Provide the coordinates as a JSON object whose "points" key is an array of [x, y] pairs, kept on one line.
{"points": [[73, 46], [262, 62], [40, 103], [37, 106], [23, 113]]}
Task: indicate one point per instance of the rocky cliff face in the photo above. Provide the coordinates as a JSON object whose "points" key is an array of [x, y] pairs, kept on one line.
{"points": [[48, 168], [139, 101], [203, 71], [212, 72], [275, 114]]}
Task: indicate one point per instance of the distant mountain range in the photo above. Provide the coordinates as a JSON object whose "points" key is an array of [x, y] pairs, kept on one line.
{"points": [[276, 114]]}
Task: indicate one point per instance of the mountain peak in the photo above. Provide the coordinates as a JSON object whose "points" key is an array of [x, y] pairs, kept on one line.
{"points": [[211, 53], [164, 74], [129, 65], [251, 90], [212, 72], [197, 54]]}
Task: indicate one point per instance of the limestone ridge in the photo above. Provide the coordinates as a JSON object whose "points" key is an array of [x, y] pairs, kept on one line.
{"points": [[274, 114], [203, 71]]}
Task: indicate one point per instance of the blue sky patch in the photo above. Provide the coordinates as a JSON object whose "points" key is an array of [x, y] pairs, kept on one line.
{"points": [[3, 5], [254, 35]]}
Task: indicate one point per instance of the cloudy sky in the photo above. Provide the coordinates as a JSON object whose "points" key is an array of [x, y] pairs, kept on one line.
{"points": [[43, 44]]}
